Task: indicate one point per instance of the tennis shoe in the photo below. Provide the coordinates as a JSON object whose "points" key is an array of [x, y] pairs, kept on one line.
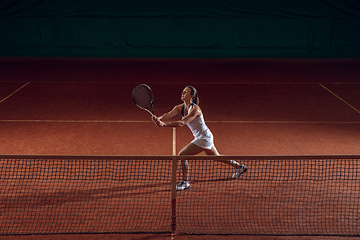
{"points": [[239, 171], [183, 185]]}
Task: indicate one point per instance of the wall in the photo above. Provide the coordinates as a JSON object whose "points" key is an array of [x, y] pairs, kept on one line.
{"points": [[197, 28]]}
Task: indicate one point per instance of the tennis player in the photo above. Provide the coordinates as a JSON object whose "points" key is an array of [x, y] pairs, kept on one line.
{"points": [[203, 138]]}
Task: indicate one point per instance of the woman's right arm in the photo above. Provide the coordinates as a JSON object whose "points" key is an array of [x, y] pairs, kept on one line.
{"points": [[174, 112]]}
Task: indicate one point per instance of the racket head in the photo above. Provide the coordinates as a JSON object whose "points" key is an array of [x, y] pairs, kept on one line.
{"points": [[143, 97]]}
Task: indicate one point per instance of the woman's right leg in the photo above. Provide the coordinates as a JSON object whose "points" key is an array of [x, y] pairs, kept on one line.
{"points": [[190, 149]]}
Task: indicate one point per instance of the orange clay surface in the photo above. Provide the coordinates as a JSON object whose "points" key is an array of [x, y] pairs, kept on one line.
{"points": [[83, 106]]}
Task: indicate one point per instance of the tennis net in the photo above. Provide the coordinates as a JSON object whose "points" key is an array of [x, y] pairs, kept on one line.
{"points": [[279, 195]]}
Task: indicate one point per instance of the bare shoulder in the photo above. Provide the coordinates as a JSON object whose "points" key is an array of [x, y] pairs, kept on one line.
{"points": [[197, 109], [178, 107]]}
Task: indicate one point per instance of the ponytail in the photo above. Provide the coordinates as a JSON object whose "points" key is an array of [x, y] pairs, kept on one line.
{"points": [[193, 92]]}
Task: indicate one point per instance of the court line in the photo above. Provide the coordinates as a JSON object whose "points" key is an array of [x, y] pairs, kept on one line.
{"points": [[283, 122], [174, 131], [340, 98], [174, 142], [14, 92], [70, 121], [210, 83]]}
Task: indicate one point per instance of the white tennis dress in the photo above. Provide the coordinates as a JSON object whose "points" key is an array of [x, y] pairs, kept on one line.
{"points": [[202, 134]]}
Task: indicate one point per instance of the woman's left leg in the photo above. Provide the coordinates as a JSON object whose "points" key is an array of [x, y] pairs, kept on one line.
{"points": [[214, 151], [239, 168]]}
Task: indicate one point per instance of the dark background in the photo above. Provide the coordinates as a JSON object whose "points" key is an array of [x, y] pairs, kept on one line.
{"points": [[201, 28]]}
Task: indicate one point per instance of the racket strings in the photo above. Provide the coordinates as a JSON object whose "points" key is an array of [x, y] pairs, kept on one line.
{"points": [[142, 96]]}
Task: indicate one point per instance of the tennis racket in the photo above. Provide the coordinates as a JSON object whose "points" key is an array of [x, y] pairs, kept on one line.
{"points": [[143, 98]]}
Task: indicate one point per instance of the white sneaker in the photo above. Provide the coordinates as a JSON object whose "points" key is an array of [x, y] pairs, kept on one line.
{"points": [[183, 185], [239, 171]]}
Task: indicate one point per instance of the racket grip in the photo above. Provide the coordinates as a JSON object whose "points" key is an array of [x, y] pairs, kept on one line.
{"points": [[154, 118]]}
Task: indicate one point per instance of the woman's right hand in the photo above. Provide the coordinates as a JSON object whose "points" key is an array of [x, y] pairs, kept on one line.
{"points": [[158, 122]]}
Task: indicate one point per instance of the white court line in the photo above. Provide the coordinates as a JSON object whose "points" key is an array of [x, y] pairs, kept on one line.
{"points": [[14, 92], [71, 121], [340, 98], [174, 142], [195, 83], [174, 130], [283, 122]]}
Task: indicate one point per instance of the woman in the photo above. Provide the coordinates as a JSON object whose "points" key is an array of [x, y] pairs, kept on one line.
{"points": [[203, 139]]}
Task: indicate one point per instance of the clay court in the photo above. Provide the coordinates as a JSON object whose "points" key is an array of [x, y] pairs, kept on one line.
{"points": [[254, 107]]}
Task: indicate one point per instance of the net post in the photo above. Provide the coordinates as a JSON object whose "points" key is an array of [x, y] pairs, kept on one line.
{"points": [[173, 195]]}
